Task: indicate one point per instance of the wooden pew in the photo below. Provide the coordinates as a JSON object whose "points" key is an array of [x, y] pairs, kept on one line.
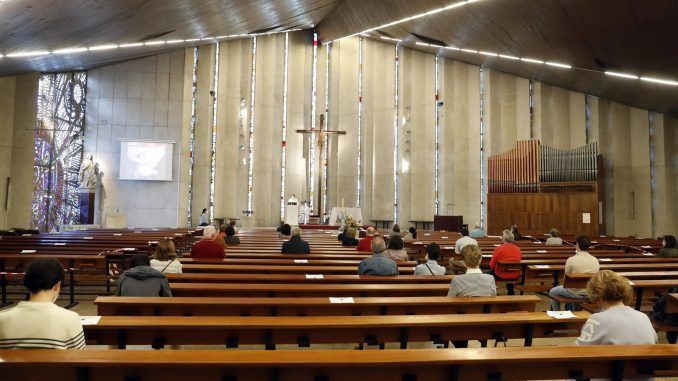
{"points": [[421, 305], [514, 363], [292, 262], [233, 331], [306, 290], [290, 269], [304, 278]]}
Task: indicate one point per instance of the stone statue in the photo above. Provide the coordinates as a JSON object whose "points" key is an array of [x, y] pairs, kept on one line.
{"points": [[89, 171]]}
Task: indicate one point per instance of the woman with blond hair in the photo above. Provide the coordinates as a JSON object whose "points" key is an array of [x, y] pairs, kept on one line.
{"points": [[165, 259], [617, 323]]}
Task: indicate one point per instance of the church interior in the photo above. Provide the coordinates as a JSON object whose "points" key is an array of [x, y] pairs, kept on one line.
{"points": [[338, 189]]}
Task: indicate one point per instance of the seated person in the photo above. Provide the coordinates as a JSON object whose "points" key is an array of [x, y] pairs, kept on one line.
{"points": [[142, 280], [285, 232], [231, 238], [365, 244], [349, 238], [395, 230], [554, 238], [396, 251], [477, 231], [617, 323], [342, 235], [507, 251], [165, 259], [207, 247], [580, 263], [411, 234], [458, 246], [377, 264], [669, 250], [296, 245], [38, 323], [516, 233], [431, 267], [474, 282]]}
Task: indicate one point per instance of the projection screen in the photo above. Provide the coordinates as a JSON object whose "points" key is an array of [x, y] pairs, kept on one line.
{"points": [[146, 160]]}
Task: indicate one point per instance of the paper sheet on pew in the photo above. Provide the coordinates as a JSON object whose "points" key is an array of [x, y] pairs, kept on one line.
{"points": [[28, 251], [648, 254], [26, 235], [314, 276], [301, 261], [117, 234], [561, 314], [646, 247], [604, 260], [59, 243], [90, 320], [87, 237], [427, 233], [542, 266], [542, 251], [341, 300], [448, 247], [444, 237]]}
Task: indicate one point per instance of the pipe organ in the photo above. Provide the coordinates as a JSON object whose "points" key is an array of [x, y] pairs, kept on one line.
{"points": [[538, 187]]}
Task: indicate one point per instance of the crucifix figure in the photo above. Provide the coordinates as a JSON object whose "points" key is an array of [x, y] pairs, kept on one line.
{"points": [[323, 137]]}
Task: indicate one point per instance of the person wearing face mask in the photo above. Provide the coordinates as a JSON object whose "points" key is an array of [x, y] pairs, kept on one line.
{"points": [[39, 323]]}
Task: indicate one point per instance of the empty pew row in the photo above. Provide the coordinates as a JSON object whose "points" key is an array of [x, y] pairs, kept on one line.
{"points": [[310, 306], [305, 290], [342, 365], [233, 331], [304, 278]]}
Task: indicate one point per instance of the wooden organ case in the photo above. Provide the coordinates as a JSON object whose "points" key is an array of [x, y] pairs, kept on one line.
{"points": [[538, 187]]}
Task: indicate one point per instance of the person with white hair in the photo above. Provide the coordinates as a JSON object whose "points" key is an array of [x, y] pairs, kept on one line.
{"points": [[508, 252], [296, 245], [207, 247], [477, 231]]}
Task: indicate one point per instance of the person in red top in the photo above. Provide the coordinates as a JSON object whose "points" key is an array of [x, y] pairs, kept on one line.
{"points": [[207, 247], [365, 244], [507, 251]]}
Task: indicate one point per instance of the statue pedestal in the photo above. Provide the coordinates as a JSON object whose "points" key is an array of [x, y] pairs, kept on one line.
{"points": [[86, 204]]}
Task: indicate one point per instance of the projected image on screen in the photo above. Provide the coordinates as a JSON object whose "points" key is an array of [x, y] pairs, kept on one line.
{"points": [[143, 160]]}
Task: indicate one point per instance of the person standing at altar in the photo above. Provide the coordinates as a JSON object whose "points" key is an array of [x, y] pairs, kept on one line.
{"points": [[365, 244], [296, 245]]}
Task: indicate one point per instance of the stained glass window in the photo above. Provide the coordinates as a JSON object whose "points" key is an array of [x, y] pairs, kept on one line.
{"points": [[58, 149]]}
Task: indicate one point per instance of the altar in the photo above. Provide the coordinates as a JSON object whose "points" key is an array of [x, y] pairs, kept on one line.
{"points": [[337, 211]]}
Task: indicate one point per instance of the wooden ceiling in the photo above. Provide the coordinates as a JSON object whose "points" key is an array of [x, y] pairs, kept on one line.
{"points": [[633, 36], [30, 25]]}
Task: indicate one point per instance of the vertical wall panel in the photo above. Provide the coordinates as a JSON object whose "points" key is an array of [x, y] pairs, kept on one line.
{"points": [[559, 116], [378, 98], [344, 116], [460, 140], [202, 159], [298, 111], [640, 172], [235, 73], [267, 129], [507, 111], [7, 95], [418, 148]]}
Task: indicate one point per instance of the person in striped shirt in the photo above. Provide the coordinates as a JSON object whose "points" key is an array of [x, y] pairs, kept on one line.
{"points": [[39, 323]]}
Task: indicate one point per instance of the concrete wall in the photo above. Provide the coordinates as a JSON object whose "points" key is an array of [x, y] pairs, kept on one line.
{"points": [[139, 99]]}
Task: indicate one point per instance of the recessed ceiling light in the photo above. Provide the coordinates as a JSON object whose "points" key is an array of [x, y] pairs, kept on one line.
{"points": [[104, 47], [69, 50], [422, 44], [132, 45], [621, 75], [28, 54], [509, 57], [154, 43], [531, 60], [660, 81], [469, 50], [489, 53], [175, 41], [560, 65]]}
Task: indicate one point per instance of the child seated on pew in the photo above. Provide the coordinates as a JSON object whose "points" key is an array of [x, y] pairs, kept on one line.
{"points": [[474, 282], [165, 258], [617, 323], [142, 280], [39, 323]]}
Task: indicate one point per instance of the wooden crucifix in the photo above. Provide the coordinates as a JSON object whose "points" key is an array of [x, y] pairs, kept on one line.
{"points": [[323, 134]]}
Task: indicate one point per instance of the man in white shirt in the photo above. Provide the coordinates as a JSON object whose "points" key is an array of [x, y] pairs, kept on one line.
{"points": [[459, 246], [580, 263], [38, 322]]}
